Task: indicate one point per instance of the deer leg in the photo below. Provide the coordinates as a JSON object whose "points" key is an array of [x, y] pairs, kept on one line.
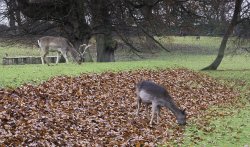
{"points": [[158, 113], [154, 109], [138, 105], [44, 58], [65, 56], [43, 54], [147, 110], [58, 57]]}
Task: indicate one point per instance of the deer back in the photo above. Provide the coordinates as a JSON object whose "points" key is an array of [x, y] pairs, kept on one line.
{"points": [[152, 89], [54, 43]]}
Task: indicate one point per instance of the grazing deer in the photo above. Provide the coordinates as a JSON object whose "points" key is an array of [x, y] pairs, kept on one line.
{"points": [[61, 46], [198, 37], [151, 93]]}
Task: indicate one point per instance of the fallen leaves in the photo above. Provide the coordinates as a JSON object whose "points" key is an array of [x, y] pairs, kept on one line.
{"points": [[99, 109]]}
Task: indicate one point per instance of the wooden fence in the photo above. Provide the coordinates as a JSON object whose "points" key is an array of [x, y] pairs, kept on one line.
{"points": [[29, 60]]}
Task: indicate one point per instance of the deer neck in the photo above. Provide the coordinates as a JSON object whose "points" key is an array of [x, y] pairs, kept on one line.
{"points": [[172, 107]]}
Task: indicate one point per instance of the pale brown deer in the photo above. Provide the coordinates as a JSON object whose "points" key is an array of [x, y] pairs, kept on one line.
{"points": [[60, 45], [151, 93]]}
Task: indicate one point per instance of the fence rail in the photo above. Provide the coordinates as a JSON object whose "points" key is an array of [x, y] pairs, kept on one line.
{"points": [[29, 60]]}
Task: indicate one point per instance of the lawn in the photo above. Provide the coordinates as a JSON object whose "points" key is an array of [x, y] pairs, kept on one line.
{"points": [[236, 67], [231, 129]]}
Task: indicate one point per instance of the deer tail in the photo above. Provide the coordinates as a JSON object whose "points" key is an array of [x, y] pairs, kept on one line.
{"points": [[39, 43]]}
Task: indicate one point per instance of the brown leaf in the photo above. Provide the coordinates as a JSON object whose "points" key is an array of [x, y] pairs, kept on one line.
{"points": [[99, 109]]}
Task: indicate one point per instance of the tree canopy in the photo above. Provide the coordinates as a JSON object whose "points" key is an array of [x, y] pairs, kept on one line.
{"points": [[78, 20]]}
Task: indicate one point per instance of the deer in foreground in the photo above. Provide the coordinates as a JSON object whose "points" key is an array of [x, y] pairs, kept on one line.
{"points": [[60, 45], [151, 93]]}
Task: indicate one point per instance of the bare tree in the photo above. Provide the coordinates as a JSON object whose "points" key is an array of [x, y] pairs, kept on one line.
{"points": [[69, 15], [78, 20], [235, 20]]}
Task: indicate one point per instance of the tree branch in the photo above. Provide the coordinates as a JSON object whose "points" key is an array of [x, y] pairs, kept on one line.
{"points": [[126, 41], [151, 37]]}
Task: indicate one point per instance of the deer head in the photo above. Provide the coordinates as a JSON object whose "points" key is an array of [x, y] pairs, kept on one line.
{"points": [[83, 48]]}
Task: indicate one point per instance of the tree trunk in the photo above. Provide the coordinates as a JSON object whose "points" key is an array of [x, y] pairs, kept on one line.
{"points": [[147, 13], [18, 16], [11, 13], [229, 31], [102, 29], [81, 30], [102, 56], [105, 48]]}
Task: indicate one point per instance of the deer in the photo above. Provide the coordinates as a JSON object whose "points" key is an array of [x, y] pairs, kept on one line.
{"points": [[149, 92], [198, 37], [60, 45]]}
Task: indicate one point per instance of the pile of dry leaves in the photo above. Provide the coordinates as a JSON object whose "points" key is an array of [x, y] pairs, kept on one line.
{"points": [[99, 109]]}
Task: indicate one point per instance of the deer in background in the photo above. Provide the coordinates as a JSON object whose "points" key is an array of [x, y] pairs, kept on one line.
{"points": [[198, 37], [60, 45], [151, 93]]}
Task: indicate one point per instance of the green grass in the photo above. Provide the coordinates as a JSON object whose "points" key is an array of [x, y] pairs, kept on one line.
{"points": [[15, 75], [17, 50], [211, 42], [229, 131]]}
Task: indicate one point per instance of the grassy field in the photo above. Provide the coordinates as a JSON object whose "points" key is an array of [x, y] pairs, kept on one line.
{"points": [[233, 130], [231, 68], [223, 131]]}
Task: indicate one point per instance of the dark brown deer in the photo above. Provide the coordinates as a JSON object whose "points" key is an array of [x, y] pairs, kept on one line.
{"points": [[151, 93], [198, 37], [60, 45]]}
